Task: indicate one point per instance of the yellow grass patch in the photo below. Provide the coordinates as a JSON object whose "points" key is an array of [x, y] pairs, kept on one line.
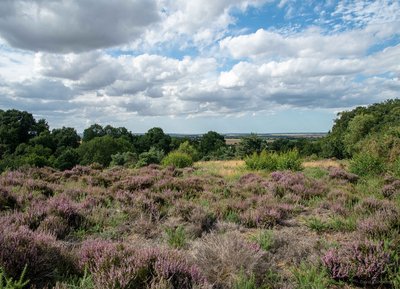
{"points": [[323, 164]]}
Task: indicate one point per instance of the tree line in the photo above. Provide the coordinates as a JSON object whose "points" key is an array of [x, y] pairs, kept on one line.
{"points": [[373, 131]]}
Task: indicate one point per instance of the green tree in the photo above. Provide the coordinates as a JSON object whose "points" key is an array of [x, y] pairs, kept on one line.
{"points": [[67, 159], [100, 149], [155, 137], [66, 137], [95, 130], [249, 144], [211, 142]]}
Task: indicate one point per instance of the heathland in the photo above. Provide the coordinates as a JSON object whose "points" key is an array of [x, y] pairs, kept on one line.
{"points": [[115, 209]]}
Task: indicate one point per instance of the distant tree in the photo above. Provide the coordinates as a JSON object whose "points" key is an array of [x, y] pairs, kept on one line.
{"points": [[95, 130], [18, 127], [100, 149], [155, 137], [249, 144], [210, 142], [187, 148], [67, 159], [66, 137]]}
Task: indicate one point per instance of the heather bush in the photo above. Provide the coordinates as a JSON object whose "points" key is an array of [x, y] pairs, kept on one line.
{"points": [[7, 200], [296, 183], [363, 262], [340, 174], [177, 159], [116, 265], [222, 258], [365, 164], [44, 259]]}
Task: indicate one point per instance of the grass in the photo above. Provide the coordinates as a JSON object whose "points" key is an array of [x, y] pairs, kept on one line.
{"points": [[176, 237], [265, 239], [334, 224], [308, 276]]}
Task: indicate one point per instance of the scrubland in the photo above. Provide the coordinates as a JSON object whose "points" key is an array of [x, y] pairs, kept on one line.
{"points": [[213, 225]]}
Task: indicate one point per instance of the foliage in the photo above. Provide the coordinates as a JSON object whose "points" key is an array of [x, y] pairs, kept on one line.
{"points": [[128, 159], [274, 161], [153, 156], [176, 237], [365, 164], [177, 159], [10, 283], [189, 149], [360, 262], [100, 149], [211, 142], [249, 144], [67, 159], [308, 276]]}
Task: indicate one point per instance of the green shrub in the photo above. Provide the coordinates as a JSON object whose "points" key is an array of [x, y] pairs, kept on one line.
{"points": [[153, 156], [10, 283], [178, 159], [176, 237], [274, 161], [365, 164], [265, 239], [311, 277], [396, 167], [289, 161], [124, 159]]}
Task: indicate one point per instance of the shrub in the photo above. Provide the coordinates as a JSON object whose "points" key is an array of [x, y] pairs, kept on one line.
{"points": [[116, 265], [39, 252], [7, 200], [262, 161], [177, 159], [309, 276], [337, 173], [223, 258], [153, 156], [176, 237], [124, 159], [10, 283], [360, 262], [365, 164], [289, 161], [273, 161]]}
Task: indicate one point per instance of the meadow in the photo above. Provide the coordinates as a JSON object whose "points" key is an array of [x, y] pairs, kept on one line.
{"points": [[216, 224]]}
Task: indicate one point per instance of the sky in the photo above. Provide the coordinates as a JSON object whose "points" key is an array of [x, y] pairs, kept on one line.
{"points": [[190, 66]]}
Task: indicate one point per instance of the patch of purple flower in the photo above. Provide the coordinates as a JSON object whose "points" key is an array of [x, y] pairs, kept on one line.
{"points": [[360, 262], [340, 174]]}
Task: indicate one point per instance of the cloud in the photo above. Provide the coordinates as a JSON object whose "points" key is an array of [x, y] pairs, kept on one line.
{"points": [[74, 25]]}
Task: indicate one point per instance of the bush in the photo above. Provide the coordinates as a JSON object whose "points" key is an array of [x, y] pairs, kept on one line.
{"points": [[124, 159], [365, 164], [273, 161], [39, 252], [225, 258], [360, 262], [177, 159], [116, 265], [153, 156]]}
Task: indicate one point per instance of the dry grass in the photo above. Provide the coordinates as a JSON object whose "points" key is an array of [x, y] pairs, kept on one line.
{"points": [[323, 164], [227, 169]]}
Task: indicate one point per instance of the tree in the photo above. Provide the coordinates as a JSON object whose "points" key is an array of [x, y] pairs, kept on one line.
{"points": [[18, 127], [100, 149], [66, 137], [95, 130], [249, 145], [156, 138], [210, 142]]}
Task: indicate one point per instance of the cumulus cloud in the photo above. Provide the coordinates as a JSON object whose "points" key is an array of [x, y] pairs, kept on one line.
{"points": [[74, 25]]}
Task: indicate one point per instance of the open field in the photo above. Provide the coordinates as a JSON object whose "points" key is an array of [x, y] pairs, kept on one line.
{"points": [[216, 225]]}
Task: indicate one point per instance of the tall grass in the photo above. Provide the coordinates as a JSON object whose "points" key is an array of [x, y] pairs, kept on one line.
{"points": [[272, 161]]}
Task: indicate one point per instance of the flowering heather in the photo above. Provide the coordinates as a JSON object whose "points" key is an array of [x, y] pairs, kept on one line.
{"points": [[116, 265], [286, 182], [54, 225], [340, 174], [7, 200], [262, 217], [190, 186], [360, 262], [135, 183], [62, 206], [77, 171], [38, 251]]}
